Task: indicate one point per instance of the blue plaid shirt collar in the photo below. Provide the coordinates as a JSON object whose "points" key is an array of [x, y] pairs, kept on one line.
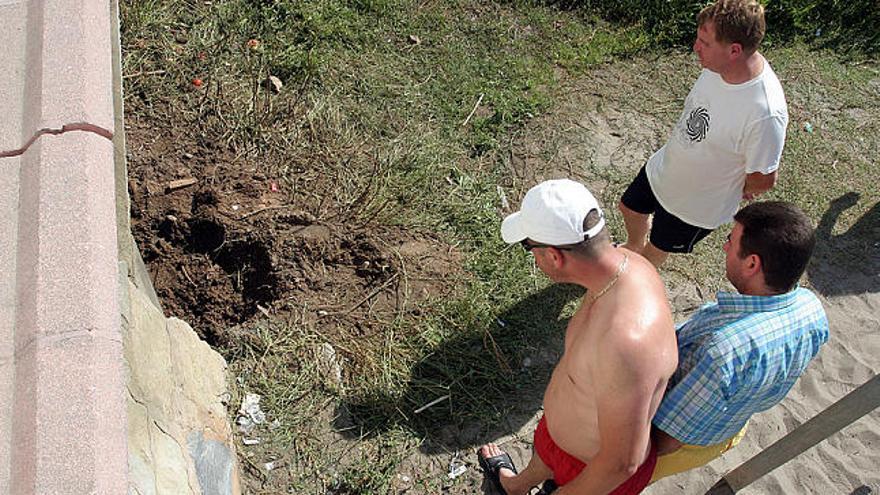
{"points": [[734, 302]]}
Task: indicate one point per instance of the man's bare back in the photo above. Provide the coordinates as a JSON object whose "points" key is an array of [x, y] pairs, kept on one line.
{"points": [[619, 350]]}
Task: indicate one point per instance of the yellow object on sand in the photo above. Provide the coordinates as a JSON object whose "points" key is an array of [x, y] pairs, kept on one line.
{"points": [[691, 456]]}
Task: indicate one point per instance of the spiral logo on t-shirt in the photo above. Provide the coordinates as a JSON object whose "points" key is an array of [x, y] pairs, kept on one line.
{"points": [[698, 124]]}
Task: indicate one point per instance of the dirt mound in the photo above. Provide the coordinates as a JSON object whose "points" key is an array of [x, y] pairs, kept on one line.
{"points": [[225, 241]]}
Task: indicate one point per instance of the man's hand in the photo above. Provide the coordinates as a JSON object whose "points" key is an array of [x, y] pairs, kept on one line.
{"points": [[757, 183], [664, 442]]}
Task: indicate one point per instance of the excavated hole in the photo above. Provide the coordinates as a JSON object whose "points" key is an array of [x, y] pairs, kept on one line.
{"points": [[205, 236], [249, 264]]}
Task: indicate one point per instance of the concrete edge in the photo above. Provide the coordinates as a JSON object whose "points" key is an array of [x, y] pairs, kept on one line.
{"points": [[68, 59]]}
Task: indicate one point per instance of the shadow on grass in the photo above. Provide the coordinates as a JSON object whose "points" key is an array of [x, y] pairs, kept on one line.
{"points": [[494, 378], [847, 263]]}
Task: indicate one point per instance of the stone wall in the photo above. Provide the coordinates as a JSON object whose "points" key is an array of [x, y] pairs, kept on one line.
{"points": [[179, 439]]}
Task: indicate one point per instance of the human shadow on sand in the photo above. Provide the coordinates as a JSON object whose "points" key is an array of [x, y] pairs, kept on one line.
{"points": [[492, 378], [847, 263]]}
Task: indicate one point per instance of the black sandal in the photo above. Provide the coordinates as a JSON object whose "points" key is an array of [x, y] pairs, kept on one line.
{"points": [[548, 487], [492, 467]]}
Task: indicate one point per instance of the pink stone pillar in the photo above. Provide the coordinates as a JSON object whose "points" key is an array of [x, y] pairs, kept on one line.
{"points": [[62, 378]]}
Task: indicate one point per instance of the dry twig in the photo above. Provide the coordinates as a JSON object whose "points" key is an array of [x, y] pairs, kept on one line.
{"points": [[477, 105], [432, 403], [186, 274], [369, 296], [144, 73], [174, 185]]}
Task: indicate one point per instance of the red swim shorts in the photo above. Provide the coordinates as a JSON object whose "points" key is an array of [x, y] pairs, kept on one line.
{"points": [[566, 467]]}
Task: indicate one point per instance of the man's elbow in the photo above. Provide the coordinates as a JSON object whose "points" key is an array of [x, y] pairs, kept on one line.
{"points": [[630, 469], [628, 466], [757, 183]]}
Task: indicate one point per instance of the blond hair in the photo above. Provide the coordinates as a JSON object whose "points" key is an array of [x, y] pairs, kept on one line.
{"points": [[736, 21]]}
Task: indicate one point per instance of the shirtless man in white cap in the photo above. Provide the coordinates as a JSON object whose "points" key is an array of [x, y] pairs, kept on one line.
{"points": [[620, 350]]}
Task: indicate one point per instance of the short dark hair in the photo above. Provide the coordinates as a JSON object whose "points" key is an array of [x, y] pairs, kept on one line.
{"points": [[589, 248], [782, 236], [736, 21]]}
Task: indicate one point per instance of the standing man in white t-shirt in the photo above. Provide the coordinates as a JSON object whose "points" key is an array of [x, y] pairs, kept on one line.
{"points": [[725, 147]]}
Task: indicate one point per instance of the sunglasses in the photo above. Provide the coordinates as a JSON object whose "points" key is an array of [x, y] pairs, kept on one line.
{"points": [[528, 246]]}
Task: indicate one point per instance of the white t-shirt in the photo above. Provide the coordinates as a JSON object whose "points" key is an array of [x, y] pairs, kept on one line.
{"points": [[725, 132]]}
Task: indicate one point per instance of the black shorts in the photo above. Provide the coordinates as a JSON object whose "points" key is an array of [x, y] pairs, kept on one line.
{"points": [[668, 232]]}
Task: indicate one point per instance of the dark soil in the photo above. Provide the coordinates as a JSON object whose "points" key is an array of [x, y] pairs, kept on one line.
{"points": [[237, 242]]}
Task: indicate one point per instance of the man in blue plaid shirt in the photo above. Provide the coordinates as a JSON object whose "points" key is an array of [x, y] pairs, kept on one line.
{"points": [[742, 354]]}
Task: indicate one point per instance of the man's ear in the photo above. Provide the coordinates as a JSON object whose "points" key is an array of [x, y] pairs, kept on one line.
{"points": [[555, 257], [753, 265], [735, 51]]}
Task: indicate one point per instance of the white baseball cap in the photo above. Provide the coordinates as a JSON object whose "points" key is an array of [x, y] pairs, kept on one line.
{"points": [[553, 213]]}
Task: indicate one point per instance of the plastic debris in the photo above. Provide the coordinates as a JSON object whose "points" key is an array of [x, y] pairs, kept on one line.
{"points": [[245, 425], [808, 127], [249, 414], [250, 406], [456, 469], [273, 83], [330, 365], [504, 203], [250, 441]]}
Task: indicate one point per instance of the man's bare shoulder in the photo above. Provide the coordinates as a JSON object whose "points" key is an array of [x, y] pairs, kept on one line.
{"points": [[643, 276], [632, 316], [639, 332], [640, 306]]}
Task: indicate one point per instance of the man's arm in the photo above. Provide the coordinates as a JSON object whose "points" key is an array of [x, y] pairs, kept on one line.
{"points": [[624, 385], [757, 183], [695, 409]]}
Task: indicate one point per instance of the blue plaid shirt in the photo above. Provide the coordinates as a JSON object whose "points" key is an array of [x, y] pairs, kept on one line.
{"points": [[737, 357]]}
